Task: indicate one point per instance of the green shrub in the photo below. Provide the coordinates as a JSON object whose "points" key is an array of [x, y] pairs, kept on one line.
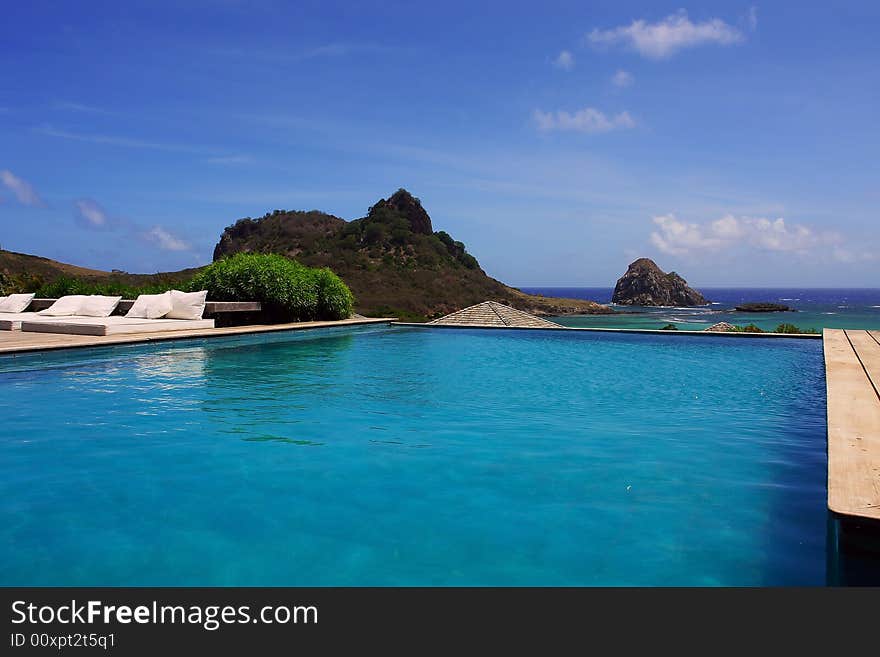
{"points": [[375, 233], [669, 327], [62, 287], [469, 261], [749, 328], [66, 285], [400, 313], [787, 328], [335, 300], [7, 285], [287, 290], [791, 328], [400, 236], [18, 283], [457, 250]]}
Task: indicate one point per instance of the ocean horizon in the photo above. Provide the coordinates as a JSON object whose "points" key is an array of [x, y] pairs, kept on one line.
{"points": [[814, 308]]}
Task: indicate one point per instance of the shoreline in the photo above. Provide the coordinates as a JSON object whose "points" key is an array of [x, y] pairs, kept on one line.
{"points": [[734, 334]]}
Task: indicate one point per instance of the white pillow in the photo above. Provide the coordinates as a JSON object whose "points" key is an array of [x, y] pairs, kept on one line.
{"points": [[187, 305], [15, 303], [65, 306], [151, 306], [96, 305]]}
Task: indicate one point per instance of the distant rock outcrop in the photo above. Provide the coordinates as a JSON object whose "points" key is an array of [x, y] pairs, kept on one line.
{"points": [[763, 307], [645, 284]]}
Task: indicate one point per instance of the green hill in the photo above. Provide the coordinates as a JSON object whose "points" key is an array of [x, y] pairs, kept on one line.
{"points": [[392, 259]]}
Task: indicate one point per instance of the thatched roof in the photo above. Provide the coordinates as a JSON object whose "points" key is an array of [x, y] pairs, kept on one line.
{"points": [[723, 327], [493, 314]]}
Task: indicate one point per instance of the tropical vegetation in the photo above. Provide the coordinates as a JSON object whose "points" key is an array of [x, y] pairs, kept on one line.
{"points": [[287, 290]]}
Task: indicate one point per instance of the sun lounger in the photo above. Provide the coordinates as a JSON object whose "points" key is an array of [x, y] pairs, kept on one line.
{"points": [[113, 325], [12, 321]]}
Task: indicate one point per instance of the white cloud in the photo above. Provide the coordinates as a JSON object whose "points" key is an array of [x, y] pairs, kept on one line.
{"points": [[622, 79], [79, 107], [231, 160], [328, 50], [679, 238], [588, 120], [676, 237], [165, 240], [847, 256], [565, 61], [112, 140], [752, 18], [22, 189], [666, 37], [342, 49], [90, 214], [282, 55]]}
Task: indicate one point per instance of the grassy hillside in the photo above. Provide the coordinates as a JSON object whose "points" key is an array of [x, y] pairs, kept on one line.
{"points": [[13, 263], [392, 259], [20, 272]]}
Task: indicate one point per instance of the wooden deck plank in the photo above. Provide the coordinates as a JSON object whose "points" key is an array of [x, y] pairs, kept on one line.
{"points": [[853, 430], [868, 351]]}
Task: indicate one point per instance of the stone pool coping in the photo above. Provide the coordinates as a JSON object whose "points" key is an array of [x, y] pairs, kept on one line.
{"points": [[19, 342], [726, 334]]}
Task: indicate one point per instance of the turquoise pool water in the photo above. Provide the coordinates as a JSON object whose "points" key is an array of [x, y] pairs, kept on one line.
{"points": [[392, 456]]}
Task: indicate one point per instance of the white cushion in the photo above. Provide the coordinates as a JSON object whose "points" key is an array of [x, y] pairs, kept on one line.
{"points": [[68, 305], [187, 305], [15, 303], [151, 306], [96, 305], [113, 325]]}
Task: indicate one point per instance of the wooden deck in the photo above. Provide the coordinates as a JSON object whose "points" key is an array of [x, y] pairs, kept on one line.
{"points": [[852, 374], [13, 342]]}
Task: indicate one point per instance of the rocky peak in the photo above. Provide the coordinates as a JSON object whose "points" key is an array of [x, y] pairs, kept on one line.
{"points": [[645, 284], [407, 205]]}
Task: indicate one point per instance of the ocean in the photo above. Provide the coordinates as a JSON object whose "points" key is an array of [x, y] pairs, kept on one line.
{"points": [[815, 308]]}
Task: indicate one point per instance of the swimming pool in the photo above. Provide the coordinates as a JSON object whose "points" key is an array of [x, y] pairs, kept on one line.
{"points": [[395, 456]]}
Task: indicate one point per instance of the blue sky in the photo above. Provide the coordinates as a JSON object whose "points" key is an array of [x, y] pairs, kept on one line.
{"points": [[736, 143]]}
